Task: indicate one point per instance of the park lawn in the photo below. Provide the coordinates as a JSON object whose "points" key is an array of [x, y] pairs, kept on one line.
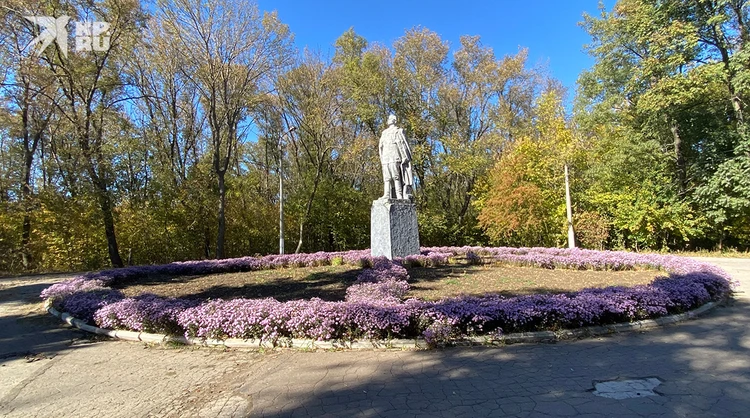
{"points": [[441, 282], [325, 282], [428, 283]]}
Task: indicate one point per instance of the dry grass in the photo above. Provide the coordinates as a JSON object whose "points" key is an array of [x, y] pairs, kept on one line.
{"points": [[330, 282], [436, 283], [327, 283]]}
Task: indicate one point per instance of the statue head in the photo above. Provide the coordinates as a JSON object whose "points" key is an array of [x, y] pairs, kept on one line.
{"points": [[391, 119]]}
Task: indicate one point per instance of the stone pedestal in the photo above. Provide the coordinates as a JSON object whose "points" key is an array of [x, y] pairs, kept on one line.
{"points": [[393, 228]]}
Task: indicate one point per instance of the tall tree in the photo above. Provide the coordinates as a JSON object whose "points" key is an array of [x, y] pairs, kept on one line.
{"points": [[31, 95], [525, 203], [309, 96], [90, 87], [418, 71], [230, 52], [672, 73]]}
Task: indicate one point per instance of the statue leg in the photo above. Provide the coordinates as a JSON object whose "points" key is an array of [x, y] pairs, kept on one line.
{"points": [[399, 189], [386, 183]]}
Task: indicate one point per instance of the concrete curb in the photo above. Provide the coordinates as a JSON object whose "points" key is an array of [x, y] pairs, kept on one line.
{"points": [[417, 343]]}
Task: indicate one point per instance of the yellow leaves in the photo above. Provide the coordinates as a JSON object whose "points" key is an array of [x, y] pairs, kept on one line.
{"points": [[271, 23], [524, 203], [419, 59], [552, 137], [512, 65], [474, 62], [68, 234], [514, 203]]}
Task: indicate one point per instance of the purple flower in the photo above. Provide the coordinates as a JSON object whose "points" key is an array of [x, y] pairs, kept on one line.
{"points": [[58, 291], [374, 305], [83, 305], [148, 313], [438, 333]]}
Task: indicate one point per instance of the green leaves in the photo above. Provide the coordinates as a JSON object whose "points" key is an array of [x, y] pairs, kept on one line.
{"points": [[726, 194], [664, 107]]}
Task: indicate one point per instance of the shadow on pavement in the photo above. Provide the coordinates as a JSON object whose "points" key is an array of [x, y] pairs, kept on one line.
{"points": [[26, 329], [23, 293], [37, 334], [703, 364]]}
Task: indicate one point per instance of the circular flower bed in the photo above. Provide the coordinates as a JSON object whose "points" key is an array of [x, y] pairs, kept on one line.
{"points": [[375, 308]]}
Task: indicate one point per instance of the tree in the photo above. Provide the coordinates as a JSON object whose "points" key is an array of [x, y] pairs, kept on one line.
{"points": [[481, 111], [525, 203], [90, 87], [230, 53], [175, 203], [364, 72], [309, 96], [32, 98], [671, 74], [418, 72]]}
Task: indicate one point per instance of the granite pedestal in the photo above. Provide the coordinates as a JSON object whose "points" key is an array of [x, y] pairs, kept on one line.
{"points": [[393, 228]]}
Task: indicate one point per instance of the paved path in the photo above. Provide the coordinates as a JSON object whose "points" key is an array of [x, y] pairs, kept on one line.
{"points": [[704, 366]]}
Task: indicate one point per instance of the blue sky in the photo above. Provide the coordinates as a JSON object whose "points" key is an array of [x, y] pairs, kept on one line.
{"points": [[548, 28]]}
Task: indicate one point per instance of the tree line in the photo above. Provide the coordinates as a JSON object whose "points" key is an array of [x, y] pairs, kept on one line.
{"points": [[169, 144]]}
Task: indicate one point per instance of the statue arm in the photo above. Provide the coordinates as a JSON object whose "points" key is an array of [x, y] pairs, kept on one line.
{"points": [[404, 145]]}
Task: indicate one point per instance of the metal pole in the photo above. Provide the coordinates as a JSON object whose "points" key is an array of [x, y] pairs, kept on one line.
{"points": [[281, 189]]}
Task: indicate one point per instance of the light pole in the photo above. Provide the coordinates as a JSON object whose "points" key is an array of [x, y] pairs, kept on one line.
{"points": [[281, 188]]}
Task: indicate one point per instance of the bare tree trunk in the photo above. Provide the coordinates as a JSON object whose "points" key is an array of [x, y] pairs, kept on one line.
{"points": [[26, 189], [30, 144], [206, 243], [301, 231], [101, 190], [105, 204], [26, 256], [308, 207], [222, 215], [466, 201]]}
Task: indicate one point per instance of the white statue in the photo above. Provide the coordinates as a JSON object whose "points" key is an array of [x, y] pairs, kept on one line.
{"points": [[395, 157]]}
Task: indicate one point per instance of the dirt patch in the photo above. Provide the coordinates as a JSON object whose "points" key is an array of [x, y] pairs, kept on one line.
{"points": [[441, 282], [327, 283], [330, 282]]}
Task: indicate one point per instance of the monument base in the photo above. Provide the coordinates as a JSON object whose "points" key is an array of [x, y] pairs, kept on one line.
{"points": [[393, 228]]}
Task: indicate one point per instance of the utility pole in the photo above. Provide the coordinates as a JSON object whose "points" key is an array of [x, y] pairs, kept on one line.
{"points": [[571, 233], [281, 188]]}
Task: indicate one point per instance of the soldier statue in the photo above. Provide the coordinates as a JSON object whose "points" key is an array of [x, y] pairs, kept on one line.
{"points": [[395, 157]]}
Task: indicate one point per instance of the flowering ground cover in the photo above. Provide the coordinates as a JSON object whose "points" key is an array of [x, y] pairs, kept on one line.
{"points": [[376, 304]]}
